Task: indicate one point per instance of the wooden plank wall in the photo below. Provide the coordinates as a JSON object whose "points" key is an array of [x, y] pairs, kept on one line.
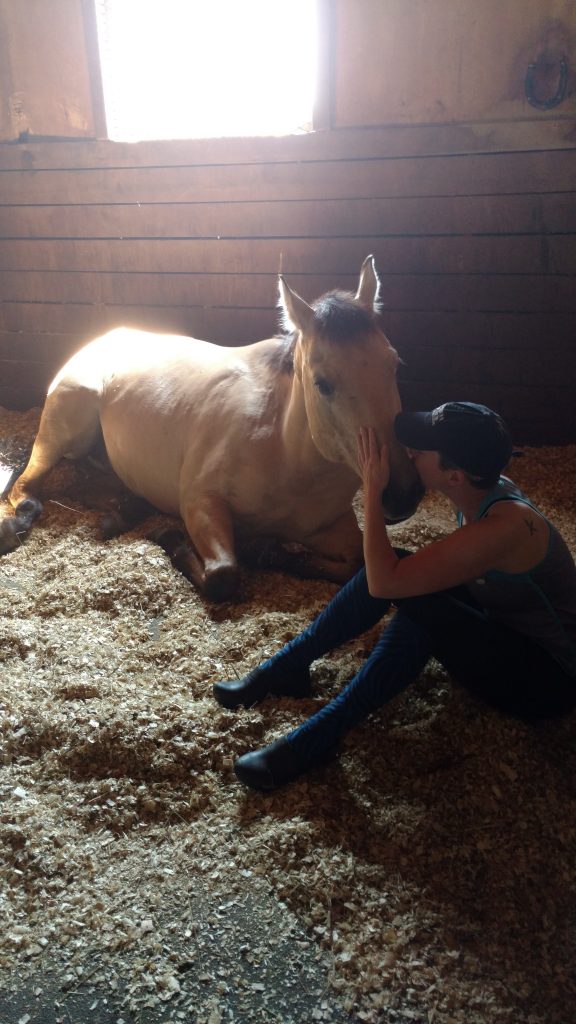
{"points": [[476, 247]]}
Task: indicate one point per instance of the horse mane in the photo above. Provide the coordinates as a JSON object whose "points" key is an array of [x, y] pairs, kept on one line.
{"points": [[281, 358], [340, 317]]}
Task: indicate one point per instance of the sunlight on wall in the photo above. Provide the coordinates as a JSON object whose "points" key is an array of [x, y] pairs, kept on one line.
{"points": [[176, 69]]}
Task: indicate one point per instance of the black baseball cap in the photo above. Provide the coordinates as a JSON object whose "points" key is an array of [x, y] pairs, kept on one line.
{"points": [[473, 437]]}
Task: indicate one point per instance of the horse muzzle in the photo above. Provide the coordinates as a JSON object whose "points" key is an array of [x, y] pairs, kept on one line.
{"points": [[401, 503]]}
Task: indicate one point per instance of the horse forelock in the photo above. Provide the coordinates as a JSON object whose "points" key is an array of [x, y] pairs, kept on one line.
{"points": [[340, 317]]}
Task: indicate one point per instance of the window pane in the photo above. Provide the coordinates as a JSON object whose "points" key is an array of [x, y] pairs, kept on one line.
{"points": [[191, 68]]}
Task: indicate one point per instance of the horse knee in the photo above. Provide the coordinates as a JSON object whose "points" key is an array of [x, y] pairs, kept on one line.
{"points": [[209, 525]]}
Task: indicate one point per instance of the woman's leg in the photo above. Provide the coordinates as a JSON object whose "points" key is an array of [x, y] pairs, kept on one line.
{"points": [[506, 669], [396, 661], [351, 612], [503, 667]]}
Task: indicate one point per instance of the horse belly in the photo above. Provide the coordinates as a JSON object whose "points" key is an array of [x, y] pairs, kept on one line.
{"points": [[290, 506], [144, 457], [173, 454]]}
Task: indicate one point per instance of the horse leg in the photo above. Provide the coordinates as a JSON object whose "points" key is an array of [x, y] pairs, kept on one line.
{"points": [[127, 513], [210, 562], [333, 553], [68, 426], [337, 550]]}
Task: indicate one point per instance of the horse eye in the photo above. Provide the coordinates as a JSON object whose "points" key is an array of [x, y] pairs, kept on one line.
{"points": [[324, 387]]}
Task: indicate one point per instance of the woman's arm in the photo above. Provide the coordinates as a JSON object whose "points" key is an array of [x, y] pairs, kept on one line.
{"points": [[465, 555], [379, 556]]}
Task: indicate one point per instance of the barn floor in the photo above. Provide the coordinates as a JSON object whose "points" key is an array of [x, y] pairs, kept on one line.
{"points": [[426, 875], [250, 950]]}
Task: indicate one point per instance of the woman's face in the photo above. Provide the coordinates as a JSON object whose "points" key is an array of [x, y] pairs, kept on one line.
{"points": [[427, 465]]}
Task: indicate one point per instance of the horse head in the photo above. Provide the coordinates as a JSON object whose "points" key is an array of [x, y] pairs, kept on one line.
{"points": [[347, 369]]}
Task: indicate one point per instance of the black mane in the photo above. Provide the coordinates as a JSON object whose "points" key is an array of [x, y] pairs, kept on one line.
{"points": [[281, 358]]}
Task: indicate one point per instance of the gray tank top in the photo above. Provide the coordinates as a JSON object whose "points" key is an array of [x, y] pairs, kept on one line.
{"points": [[540, 603]]}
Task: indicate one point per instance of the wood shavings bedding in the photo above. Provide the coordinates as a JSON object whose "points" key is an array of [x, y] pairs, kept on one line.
{"points": [[430, 867]]}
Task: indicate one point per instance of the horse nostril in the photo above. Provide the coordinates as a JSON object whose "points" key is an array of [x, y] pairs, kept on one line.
{"points": [[399, 505]]}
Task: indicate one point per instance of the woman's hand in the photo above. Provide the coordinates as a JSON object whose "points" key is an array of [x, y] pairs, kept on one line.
{"points": [[379, 556], [374, 462]]}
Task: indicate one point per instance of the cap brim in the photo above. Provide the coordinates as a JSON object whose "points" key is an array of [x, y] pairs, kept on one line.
{"points": [[414, 430]]}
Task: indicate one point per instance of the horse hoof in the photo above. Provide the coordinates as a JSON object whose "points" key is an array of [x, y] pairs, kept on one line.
{"points": [[28, 510], [9, 538], [112, 525], [221, 584]]}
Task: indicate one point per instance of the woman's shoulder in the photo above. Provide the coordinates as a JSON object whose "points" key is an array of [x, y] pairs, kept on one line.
{"points": [[527, 529], [506, 494]]}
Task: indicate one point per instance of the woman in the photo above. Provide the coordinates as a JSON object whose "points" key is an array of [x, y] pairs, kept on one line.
{"points": [[494, 602]]}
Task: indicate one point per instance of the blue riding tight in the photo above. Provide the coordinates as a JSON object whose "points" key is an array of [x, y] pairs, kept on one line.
{"points": [[499, 665]]}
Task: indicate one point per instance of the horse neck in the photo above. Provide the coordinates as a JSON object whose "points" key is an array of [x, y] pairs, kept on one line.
{"points": [[296, 434]]}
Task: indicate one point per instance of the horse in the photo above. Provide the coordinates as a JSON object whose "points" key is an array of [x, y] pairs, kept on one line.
{"points": [[243, 444]]}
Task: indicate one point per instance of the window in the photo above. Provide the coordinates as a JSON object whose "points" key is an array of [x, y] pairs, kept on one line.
{"points": [[175, 69]]}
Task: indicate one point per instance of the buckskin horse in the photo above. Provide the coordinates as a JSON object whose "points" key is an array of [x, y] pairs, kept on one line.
{"points": [[252, 442]]}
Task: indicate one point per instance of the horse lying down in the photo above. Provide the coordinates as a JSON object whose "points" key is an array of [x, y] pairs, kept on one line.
{"points": [[243, 444]]}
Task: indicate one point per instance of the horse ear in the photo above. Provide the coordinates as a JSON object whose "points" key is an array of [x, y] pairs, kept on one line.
{"points": [[297, 315], [369, 286]]}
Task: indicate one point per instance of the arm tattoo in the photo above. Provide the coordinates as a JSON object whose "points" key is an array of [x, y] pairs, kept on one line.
{"points": [[531, 527]]}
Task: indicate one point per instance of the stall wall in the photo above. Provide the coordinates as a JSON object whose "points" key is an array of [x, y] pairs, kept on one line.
{"points": [[472, 220]]}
